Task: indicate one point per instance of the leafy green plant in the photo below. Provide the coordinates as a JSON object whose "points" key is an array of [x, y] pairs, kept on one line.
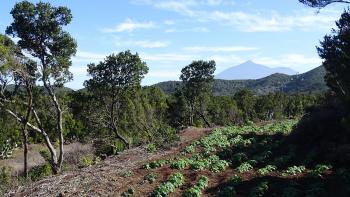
{"points": [[235, 180], [39, 172], [267, 169], [151, 177], [229, 191], [5, 175], [180, 163], [244, 167], [155, 164], [259, 190], [151, 148], [86, 161], [175, 180], [128, 193], [196, 190], [319, 170], [127, 173], [218, 166], [294, 170]]}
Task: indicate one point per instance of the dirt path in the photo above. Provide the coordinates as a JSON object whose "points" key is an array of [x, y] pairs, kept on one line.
{"points": [[108, 178]]}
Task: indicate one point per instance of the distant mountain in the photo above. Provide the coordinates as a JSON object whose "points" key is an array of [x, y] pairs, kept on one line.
{"points": [[251, 70], [312, 81]]}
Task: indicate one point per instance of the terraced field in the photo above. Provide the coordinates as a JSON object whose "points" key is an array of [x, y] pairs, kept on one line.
{"points": [[251, 160]]}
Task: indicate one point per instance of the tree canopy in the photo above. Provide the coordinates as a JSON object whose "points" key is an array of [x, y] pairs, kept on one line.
{"points": [[321, 3], [335, 52]]}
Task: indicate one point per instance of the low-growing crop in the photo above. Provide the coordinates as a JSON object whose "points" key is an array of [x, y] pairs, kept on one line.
{"points": [[155, 164], [235, 180], [259, 190], [151, 177], [175, 180], [180, 163], [218, 166], [244, 167], [267, 169], [196, 190], [294, 170], [128, 193], [320, 170]]}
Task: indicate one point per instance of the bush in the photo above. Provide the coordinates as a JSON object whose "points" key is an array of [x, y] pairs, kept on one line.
{"points": [[39, 172], [5, 175], [294, 170], [267, 169], [86, 161], [151, 148]]}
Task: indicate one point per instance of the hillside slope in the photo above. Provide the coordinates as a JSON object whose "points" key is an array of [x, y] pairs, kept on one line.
{"points": [[311, 81]]}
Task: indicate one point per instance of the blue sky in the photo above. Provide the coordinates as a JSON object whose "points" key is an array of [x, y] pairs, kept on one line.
{"points": [[169, 34]]}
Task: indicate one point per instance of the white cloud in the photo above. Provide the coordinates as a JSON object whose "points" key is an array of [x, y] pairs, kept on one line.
{"points": [[141, 43], [299, 62], [87, 57], [272, 21], [129, 26], [200, 29], [169, 22], [167, 57], [219, 49], [164, 74]]}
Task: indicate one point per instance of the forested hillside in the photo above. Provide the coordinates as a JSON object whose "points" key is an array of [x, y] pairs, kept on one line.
{"points": [[311, 81], [279, 135]]}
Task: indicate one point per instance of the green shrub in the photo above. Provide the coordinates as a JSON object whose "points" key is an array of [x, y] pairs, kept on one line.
{"points": [[86, 161], [151, 148], [39, 172], [5, 175]]}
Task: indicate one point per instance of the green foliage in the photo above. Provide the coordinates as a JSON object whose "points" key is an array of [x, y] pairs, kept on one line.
{"points": [[244, 167], [151, 148], [151, 177], [235, 180], [259, 190], [267, 169], [155, 164], [335, 54], [319, 170], [39, 172], [128, 193], [86, 161], [5, 175], [127, 173], [294, 170], [175, 180], [196, 190], [180, 163]]}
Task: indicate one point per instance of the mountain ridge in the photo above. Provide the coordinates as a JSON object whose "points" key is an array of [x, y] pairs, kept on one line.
{"points": [[311, 81], [251, 70]]}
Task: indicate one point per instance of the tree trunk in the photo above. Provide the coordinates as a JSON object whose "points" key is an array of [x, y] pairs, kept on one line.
{"points": [[57, 164], [204, 119], [25, 154]]}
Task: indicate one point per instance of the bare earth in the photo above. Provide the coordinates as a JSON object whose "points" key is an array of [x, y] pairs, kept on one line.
{"points": [[108, 178]]}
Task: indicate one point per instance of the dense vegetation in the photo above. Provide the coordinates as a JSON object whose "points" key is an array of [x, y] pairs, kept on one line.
{"points": [[285, 158]]}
